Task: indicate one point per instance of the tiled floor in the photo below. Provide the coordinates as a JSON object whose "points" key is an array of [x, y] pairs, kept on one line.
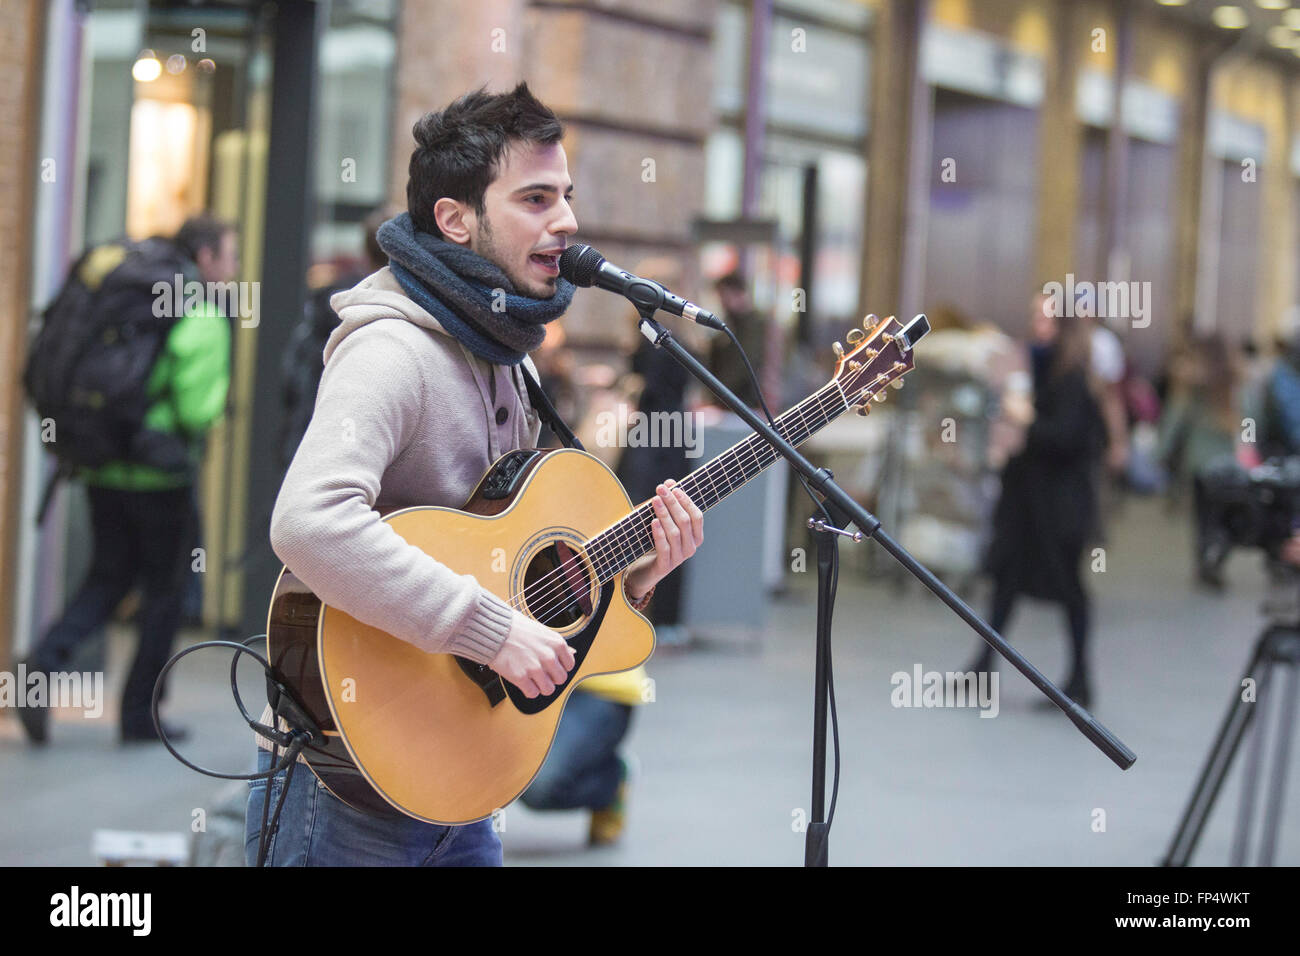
{"points": [[723, 754]]}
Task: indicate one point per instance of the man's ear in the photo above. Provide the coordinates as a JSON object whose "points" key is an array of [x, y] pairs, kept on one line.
{"points": [[454, 220]]}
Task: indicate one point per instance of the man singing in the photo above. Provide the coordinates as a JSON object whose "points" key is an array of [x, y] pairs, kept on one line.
{"points": [[422, 390]]}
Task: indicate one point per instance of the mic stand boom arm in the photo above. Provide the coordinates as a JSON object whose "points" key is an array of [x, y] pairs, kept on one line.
{"points": [[822, 481]]}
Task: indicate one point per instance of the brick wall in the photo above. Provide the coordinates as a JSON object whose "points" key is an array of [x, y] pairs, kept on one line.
{"points": [[632, 80]]}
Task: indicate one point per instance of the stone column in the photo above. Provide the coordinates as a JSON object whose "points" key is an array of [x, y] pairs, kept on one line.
{"points": [[1059, 146], [1277, 238], [1193, 129], [20, 74], [895, 45]]}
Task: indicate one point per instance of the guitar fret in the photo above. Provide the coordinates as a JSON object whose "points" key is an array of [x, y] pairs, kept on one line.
{"points": [[616, 547]]}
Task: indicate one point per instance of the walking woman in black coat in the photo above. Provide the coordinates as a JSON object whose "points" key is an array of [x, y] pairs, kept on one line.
{"points": [[1048, 507]]}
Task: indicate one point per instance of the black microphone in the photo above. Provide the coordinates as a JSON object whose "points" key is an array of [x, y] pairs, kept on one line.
{"points": [[584, 266]]}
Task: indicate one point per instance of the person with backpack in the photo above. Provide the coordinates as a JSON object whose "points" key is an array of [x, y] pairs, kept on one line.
{"points": [[128, 389]]}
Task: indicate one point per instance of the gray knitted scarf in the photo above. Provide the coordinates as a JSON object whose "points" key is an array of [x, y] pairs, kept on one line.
{"points": [[465, 293]]}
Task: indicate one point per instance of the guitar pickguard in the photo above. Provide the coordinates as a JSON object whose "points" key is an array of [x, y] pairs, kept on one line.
{"points": [[581, 642]]}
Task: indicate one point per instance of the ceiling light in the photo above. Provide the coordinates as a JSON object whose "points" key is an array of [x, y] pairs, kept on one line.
{"points": [[1230, 18], [1282, 37], [146, 68]]}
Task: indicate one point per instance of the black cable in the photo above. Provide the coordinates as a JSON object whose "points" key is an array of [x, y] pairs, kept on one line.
{"points": [[834, 583], [830, 693], [283, 703], [268, 833], [271, 733]]}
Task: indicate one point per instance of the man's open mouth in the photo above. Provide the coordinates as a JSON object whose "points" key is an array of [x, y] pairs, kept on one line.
{"points": [[549, 262]]}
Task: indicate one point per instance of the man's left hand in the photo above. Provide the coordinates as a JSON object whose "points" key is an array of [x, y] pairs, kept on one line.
{"points": [[677, 529]]}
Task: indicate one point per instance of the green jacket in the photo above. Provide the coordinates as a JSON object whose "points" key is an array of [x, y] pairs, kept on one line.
{"points": [[189, 381]]}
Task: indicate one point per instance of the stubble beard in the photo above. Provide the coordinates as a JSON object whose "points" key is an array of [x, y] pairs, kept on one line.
{"points": [[486, 244]]}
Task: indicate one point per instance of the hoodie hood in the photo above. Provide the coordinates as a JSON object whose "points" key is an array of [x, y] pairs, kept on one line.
{"points": [[377, 296]]}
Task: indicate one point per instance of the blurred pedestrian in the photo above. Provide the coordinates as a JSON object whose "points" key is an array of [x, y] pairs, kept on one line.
{"points": [[302, 363], [750, 327], [662, 398], [1278, 413], [1048, 499], [141, 506]]}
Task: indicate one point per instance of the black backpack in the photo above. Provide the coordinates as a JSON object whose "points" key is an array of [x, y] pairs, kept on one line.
{"points": [[88, 367]]}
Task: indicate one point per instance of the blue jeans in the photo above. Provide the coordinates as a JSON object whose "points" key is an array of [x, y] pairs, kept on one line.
{"points": [[582, 770], [319, 829]]}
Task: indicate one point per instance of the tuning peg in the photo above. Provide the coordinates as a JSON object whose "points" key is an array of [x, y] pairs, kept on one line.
{"points": [[879, 396], [896, 383], [855, 336], [864, 409], [870, 321], [839, 350]]}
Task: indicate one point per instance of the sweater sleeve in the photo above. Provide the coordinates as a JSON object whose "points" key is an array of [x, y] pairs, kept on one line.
{"points": [[324, 526]]}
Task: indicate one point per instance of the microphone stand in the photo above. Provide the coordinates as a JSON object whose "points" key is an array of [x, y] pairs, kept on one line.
{"points": [[843, 510]]}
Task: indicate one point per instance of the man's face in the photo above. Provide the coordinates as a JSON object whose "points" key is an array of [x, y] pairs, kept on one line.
{"points": [[220, 263], [526, 217]]}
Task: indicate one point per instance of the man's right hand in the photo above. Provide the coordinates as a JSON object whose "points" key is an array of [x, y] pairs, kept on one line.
{"points": [[534, 658]]}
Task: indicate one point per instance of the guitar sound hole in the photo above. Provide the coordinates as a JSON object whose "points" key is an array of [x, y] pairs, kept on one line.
{"points": [[557, 587]]}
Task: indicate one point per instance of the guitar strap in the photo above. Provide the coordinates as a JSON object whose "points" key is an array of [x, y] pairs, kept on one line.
{"points": [[546, 411]]}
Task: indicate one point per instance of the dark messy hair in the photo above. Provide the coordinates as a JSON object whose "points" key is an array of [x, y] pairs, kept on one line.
{"points": [[459, 149], [201, 232]]}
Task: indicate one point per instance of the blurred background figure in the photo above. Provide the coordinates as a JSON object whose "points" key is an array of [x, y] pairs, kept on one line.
{"points": [[1199, 427], [142, 507], [661, 385], [1048, 499], [302, 364], [750, 326], [966, 411], [1278, 411], [1202, 416]]}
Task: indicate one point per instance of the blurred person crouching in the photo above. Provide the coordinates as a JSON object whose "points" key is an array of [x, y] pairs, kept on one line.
{"points": [[584, 769]]}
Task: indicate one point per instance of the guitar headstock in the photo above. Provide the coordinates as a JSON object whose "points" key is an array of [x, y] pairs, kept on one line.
{"points": [[882, 355]]}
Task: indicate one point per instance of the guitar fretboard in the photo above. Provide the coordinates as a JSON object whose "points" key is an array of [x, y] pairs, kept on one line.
{"points": [[619, 545]]}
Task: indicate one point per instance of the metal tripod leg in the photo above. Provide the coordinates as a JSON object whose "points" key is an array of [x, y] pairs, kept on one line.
{"points": [[1275, 645], [1287, 652]]}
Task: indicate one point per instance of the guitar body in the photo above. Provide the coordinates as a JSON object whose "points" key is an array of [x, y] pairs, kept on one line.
{"points": [[433, 736]]}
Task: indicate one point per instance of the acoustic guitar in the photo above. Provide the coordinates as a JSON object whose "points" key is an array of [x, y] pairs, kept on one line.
{"points": [[448, 741]]}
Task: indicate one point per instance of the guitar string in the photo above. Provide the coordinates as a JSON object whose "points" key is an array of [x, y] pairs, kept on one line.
{"points": [[620, 543], [641, 537], [632, 534], [616, 540]]}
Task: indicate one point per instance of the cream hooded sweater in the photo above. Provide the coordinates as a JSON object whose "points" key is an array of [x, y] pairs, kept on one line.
{"points": [[404, 415]]}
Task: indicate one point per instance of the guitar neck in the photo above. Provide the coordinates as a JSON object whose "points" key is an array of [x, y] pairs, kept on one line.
{"points": [[624, 542]]}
